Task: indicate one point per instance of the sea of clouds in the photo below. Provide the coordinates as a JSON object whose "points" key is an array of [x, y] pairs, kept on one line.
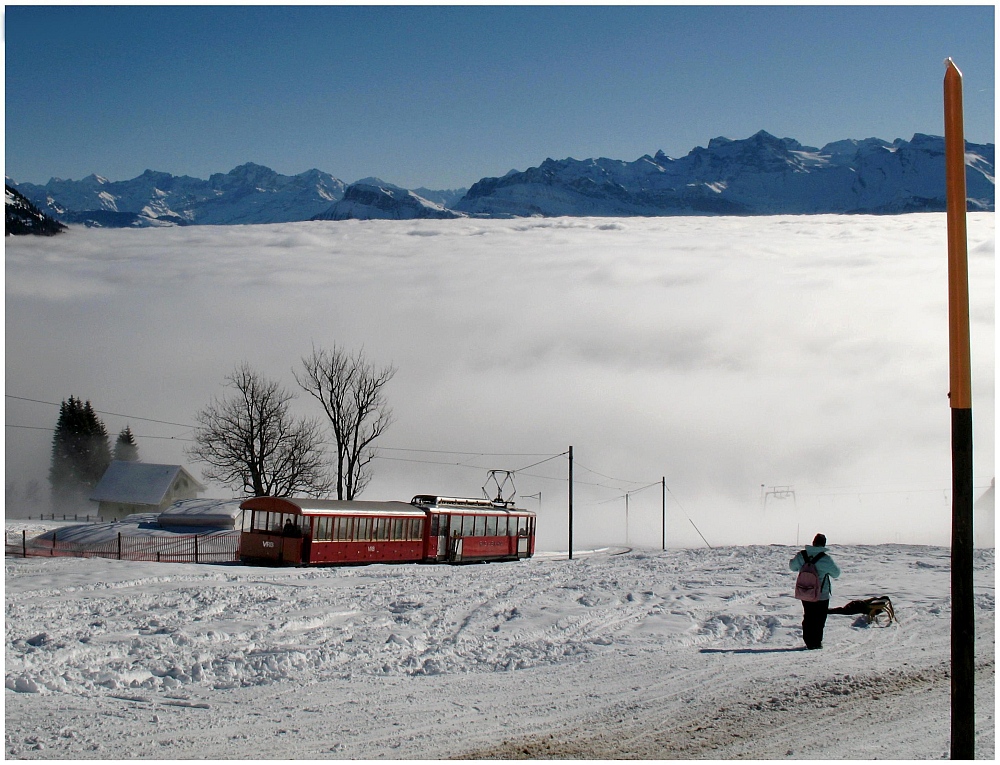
{"points": [[729, 356]]}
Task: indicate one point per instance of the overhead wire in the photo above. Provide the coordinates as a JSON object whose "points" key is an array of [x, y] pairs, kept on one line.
{"points": [[687, 516], [100, 411]]}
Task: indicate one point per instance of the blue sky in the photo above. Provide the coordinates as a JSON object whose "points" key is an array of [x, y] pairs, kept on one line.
{"points": [[441, 96]]}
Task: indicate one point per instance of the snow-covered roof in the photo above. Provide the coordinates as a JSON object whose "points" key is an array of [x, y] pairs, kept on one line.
{"points": [[139, 483], [202, 512]]}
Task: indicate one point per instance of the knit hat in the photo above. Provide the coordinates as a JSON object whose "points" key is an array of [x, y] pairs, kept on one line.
{"points": [[819, 540]]}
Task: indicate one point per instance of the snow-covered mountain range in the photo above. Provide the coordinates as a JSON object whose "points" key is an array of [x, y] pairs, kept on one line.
{"points": [[247, 194], [759, 175]]}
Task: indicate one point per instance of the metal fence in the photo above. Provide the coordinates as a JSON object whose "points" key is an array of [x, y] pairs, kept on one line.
{"points": [[212, 547], [65, 517]]}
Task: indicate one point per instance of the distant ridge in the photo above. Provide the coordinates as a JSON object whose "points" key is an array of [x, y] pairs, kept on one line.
{"points": [[759, 175], [21, 217], [371, 201]]}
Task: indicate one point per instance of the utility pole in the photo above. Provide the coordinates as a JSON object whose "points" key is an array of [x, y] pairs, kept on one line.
{"points": [[571, 503], [963, 623], [626, 518], [663, 499]]}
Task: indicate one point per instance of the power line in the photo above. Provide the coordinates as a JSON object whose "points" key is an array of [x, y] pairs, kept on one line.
{"points": [[136, 435], [542, 462], [463, 463], [687, 516], [610, 478], [633, 491], [472, 454], [99, 411]]}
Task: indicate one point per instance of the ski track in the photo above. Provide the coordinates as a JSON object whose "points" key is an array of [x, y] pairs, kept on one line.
{"points": [[600, 657]]}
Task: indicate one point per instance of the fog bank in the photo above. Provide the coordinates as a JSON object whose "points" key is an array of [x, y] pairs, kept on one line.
{"points": [[728, 355]]}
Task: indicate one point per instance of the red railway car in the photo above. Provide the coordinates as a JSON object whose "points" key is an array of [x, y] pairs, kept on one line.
{"points": [[299, 531]]}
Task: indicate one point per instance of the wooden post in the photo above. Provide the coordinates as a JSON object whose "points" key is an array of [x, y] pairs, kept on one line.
{"points": [[195, 548], [24, 543], [571, 503], [963, 710], [119, 545]]}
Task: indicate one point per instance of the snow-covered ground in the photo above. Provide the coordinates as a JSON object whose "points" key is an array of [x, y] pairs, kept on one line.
{"points": [[686, 653]]}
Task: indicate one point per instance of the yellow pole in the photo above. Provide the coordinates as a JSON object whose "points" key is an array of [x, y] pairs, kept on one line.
{"points": [[963, 717]]}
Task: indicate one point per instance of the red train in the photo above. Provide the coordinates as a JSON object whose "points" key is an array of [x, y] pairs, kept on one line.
{"points": [[299, 532]]}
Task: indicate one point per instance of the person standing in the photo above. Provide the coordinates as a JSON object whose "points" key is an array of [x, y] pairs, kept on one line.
{"points": [[814, 610]]}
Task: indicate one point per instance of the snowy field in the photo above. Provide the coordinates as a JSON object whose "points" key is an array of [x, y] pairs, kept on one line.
{"points": [[685, 654]]}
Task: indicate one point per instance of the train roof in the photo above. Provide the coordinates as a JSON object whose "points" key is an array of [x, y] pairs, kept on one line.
{"points": [[307, 506], [466, 504], [418, 506]]}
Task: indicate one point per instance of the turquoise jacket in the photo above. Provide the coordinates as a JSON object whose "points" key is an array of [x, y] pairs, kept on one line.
{"points": [[825, 567]]}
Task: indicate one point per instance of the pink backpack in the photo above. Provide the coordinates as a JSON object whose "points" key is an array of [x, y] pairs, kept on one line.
{"points": [[808, 585]]}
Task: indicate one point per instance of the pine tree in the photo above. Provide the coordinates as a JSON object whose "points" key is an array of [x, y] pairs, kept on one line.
{"points": [[80, 451], [125, 447], [96, 448]]}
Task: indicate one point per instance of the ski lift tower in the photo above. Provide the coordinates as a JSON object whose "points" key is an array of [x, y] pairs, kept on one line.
{"points": [[777, 492]]}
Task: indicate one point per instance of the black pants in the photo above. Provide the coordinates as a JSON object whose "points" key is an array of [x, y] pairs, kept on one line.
{"points": [[813, 622]]}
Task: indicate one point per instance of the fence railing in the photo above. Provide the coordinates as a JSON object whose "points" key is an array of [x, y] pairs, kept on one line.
{"points": [[213, 547], [64, 517]]}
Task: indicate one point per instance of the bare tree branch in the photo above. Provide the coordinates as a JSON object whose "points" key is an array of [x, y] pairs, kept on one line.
{"points": [[250, 441], [351, 392]]}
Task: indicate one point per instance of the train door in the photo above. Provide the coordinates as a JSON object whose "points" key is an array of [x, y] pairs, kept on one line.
{"points": [[461, 527], [523, 537], [440, 533]]}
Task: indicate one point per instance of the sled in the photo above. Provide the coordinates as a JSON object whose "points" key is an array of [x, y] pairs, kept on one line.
{"points": [[877, 610]]}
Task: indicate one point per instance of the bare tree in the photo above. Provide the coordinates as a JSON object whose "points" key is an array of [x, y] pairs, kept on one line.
{"points": [[350, 389], [251, 442]]}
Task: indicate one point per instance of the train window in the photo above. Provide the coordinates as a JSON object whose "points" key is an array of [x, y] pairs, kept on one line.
{"points": [[491, 526], [363, 529], [324, 529], [522, 525], [435, 523], [381, 528], [468, 525], [398, 528], [416, 525], [342, 529], [480, 526]]}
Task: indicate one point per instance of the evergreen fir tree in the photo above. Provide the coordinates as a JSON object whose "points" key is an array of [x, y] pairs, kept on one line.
{"points": [[125, 447], [96, 447], [80, 451]]}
